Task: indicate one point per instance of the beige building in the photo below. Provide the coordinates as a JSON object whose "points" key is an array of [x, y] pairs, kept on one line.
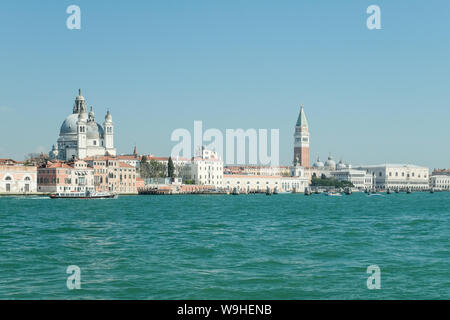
{"points": [[113, 175], [16, 178]]}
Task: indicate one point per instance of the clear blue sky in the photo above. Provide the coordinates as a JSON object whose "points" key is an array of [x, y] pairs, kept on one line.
{"points": [[370, 96]]}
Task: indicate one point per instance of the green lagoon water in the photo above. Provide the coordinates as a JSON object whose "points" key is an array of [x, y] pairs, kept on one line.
{"points": [[226, 247]]}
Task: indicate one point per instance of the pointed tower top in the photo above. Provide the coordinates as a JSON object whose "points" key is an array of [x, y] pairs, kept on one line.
{"points": [[301, 121], [79, 92], [135, 150]]}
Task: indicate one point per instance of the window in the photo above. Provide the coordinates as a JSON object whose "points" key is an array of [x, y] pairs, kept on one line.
{"points": [[8, 178]]}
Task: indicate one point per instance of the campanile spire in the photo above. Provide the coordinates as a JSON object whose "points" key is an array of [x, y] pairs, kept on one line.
{"points": [[301, 140]]}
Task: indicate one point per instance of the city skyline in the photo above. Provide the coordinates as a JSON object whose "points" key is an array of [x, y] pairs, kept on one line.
{"points": [[371, 96]]}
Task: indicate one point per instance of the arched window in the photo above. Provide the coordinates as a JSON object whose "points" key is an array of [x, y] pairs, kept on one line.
{"points": [[27, 179], [8, 178]]}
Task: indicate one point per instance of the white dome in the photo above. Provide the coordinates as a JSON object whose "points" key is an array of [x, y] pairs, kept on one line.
{"points": [[330, 163], [318, 163], [69, 125], [94, 131], [108, 117], [341, 165]]}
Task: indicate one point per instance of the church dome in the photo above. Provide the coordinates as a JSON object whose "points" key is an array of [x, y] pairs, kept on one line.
{"points": [[330, 163], [341, 165], [69, 125], [318, 163], [94, 131], [108, 117]]}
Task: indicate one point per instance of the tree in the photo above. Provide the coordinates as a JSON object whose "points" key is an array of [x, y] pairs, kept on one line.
{"points": [[170, 168], [330, 182], [36, 159]]}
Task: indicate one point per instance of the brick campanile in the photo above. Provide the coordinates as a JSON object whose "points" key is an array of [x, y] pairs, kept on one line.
{"points": [[301, 140]]}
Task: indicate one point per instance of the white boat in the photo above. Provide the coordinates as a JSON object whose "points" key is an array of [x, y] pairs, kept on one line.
{"points": [[83, 195], [333, 194]]}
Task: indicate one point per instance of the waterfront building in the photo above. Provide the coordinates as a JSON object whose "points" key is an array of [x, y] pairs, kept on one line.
{"points": [[110, 174], [294, 179], [17, 178], [258, 170], [398, 176], [205, 169], [440, 182], [301, 140], [81, 136], [359, 178], [255, 183], [75, 176]]}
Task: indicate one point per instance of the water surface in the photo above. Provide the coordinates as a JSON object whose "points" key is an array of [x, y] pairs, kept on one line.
{"points": [[226, 247]]}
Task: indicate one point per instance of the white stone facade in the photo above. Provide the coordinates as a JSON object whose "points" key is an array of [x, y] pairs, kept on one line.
{"points": [[204, 170], [440, 182], [249, 183], [398, 176], [359, 178]]}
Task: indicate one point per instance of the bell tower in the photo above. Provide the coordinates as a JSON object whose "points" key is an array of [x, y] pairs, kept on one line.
{"points": [[301, 140]]}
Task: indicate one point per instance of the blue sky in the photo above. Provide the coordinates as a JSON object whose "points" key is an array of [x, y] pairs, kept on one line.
{"points": [[370, 96]]}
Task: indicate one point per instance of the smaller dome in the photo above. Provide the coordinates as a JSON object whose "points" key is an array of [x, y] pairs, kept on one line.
{"points": [[108, 117], [318, 163], [330, 163], [341, 165], [53, 153]]}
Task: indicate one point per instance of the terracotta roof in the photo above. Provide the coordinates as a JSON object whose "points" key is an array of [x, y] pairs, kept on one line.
{"points": [[57, 165], [127, 157], [100, 158], [7, 161], [125, 165]]}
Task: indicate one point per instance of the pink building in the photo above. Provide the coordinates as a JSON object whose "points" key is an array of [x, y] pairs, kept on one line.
{"points": [[17, 178], [76, 176]]}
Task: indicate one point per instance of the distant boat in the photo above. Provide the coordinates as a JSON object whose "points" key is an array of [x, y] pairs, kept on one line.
{"points": [[83, 195], [333, 194], [374, 194]]}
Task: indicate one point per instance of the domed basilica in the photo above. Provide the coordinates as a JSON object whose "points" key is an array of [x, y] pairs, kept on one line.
{"points": [[81, 136]]}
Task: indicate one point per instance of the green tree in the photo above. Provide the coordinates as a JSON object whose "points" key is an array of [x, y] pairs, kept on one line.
{"points": [[170, 168]]}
